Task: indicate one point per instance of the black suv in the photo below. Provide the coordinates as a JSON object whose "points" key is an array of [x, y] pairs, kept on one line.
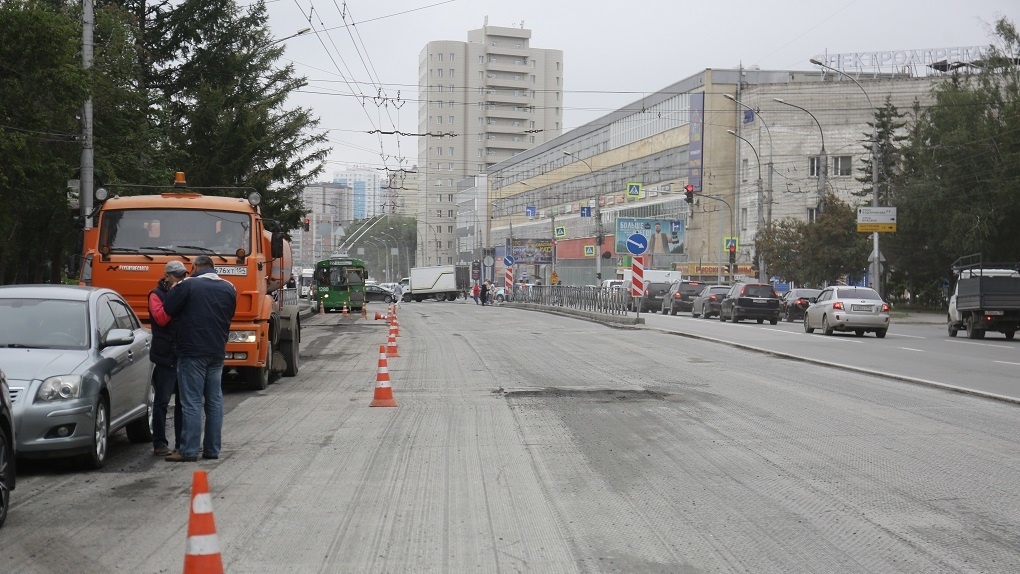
{"points": [[681, 296], [750, 301]]}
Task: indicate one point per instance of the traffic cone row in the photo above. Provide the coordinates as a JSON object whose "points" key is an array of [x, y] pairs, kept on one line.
{"points": [[383, 391], [202, 551]]}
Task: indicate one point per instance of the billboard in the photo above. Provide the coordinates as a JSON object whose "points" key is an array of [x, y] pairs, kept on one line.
{"points": [[664, 235], [532, 251]]}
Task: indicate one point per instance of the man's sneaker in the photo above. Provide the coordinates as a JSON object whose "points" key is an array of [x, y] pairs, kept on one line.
{"points": [[161, 450], [176, 456], [210, 456]]}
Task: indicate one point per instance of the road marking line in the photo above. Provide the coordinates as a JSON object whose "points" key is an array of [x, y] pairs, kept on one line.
{"points": [[782, 331], [1008, 363], [909, 349], [910, 336], [982, 344]]}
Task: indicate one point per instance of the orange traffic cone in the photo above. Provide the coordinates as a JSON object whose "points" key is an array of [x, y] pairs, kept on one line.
{"points": [[203, 549], [395, 326], [391, 345], [383, 391], [379, 316], [345, 313], [364, 311], [321, 309]]}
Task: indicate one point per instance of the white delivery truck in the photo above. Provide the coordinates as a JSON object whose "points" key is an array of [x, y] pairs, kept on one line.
{"points": [[441, 282]]}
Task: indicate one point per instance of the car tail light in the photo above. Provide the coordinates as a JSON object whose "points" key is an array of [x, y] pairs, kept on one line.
{"points": [[837, 305], [712, 298], [801, 301], [885, 307], [742, 290]]}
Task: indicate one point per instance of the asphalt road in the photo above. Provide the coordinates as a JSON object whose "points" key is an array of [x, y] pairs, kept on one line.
{"points": [[528, 442]]}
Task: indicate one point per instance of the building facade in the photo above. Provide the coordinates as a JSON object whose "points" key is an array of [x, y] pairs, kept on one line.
{"points": [[329, 206], [626, 172], [481, 102], [365, 183]]}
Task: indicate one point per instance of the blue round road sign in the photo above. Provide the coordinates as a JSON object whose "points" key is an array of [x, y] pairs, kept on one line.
{"points": [[637, 244], [508, 260]]}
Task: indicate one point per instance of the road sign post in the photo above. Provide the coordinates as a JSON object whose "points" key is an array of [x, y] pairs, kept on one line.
{"points": [[637, 281], [876, 219]]}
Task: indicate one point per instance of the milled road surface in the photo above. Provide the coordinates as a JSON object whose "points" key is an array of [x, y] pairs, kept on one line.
{"points": [[525, 442]]}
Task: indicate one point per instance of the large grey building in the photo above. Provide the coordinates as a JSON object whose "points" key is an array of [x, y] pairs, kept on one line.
{"points": [[481, 102]]}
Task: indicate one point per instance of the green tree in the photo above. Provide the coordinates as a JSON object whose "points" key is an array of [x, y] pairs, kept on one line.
{"points": [[780, 246], [223, 94], [42, 87], [960, 188], [831, 246], [891, 138]]}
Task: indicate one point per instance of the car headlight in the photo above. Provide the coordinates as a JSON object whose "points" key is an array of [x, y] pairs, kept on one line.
{"points": [[60, 388], [241, 337]]}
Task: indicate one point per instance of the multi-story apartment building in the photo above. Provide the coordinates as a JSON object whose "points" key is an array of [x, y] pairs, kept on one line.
{"points": [[481, 102], [365, 183], [329, 206]]}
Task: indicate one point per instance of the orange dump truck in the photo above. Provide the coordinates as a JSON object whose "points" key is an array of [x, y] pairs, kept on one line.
{"points": [[134, 238]]}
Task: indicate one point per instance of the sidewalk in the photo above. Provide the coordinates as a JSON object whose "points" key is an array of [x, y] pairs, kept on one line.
{"points": [[918, 317]]}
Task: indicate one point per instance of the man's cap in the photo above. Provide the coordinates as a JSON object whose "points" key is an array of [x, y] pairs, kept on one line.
{"points": [[176, 268]]}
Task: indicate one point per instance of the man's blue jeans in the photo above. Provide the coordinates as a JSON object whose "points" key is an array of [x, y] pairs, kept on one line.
{"points": [[200, 378], [166, 385]]}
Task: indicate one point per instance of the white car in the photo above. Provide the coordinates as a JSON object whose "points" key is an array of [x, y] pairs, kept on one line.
{"points": [[844, 308]]}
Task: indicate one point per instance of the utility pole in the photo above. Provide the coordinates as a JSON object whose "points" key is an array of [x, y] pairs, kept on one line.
{"points": [[87, 176]]}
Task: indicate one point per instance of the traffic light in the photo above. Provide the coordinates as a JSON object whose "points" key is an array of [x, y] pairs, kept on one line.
{"points": [[733, 254], [308, 225], [689, 193]]}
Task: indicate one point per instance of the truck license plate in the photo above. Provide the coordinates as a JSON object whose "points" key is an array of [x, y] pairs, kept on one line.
{"points": [[994, 312]]}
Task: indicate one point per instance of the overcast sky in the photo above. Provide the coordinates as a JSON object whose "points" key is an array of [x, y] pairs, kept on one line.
{"points": [[649, 44]]}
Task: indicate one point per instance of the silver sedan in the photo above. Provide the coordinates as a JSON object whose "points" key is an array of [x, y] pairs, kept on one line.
{"points": [[842, 308], [77, 362]]}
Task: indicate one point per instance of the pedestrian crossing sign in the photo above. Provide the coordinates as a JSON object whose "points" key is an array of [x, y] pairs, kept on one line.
{"points": [[561, 232], [589, 251], [634, 189]]}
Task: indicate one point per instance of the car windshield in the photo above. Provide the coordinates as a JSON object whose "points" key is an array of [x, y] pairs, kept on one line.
{"points": [[857, 293], [43, 324], [175, 231], [758, 291]]}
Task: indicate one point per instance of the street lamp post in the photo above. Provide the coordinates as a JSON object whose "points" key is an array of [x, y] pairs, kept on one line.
{"points": [[598, 220], [823, 166], [300, 32], [761, 212], [874, 262], [397, 265], [768, 211]]}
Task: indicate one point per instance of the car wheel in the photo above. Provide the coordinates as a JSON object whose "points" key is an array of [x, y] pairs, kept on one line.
{"points": [[1010, 335], [760, 321], [773, 321], [6, 474], [789, 316], [880, 334], [500, 298], [662, 310], [290, 355], [734, 317], [722, 317], [693, 314], [140, 430], [100, 437], [953, 330], [859, 332], [807, 325], [825, 325], [389, 299], [672, 310]]}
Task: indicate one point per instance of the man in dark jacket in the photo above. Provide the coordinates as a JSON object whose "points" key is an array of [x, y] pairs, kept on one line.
{"points": [[202, 306], [165, 360]]}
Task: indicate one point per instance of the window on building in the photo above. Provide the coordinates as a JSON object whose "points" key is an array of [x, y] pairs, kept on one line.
{"points": [[557, 110], [449, 260], [481, 59], [451, 72], [481, 121], [449, 197], [491, 121], [743, 218], [531, 139], [812, 213], [451, 119], [490, 151], [481, 166], [557, 66], [449, 166], [439, 104], [451, 151], [517, 123], [449, 213], [842, 166], [517, 77], [745, 170], [532, 78], [439, 88], [451, 104], [449, 229], [449, 88], [439, 73], [532, 126], [813, 163], [480, 151], [439, 213], [439, 120], [440, 57], [451, 56], [450, 183], [439, 150], [557, 80], [495, 43]]}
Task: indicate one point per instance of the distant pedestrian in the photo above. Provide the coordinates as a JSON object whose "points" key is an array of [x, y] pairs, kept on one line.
{"points": [[202, 307], [164, 359], [475, 292], [484, 292], [398, 294]]}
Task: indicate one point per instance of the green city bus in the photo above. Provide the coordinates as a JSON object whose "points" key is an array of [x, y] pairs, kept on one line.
{"points": [[339, 280]]}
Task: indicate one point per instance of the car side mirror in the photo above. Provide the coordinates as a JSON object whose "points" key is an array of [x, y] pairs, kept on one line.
{"points": [[813, 300], [118, 338]]}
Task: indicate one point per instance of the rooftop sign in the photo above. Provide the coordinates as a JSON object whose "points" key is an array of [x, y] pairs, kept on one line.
{"points": [[896, 60]]}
